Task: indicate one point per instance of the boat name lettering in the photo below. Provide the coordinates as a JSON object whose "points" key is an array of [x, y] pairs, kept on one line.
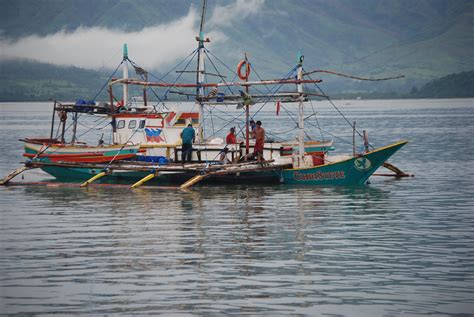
{"points": [[319, 176]]}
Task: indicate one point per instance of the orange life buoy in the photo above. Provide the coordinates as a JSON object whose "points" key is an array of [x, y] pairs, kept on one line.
{"points": [[247, 70]]}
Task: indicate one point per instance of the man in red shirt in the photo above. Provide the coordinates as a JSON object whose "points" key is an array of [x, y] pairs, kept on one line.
{"points": [[259, 142], [231, 138]]}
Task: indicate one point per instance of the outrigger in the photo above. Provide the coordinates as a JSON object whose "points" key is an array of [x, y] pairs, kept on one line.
{"points": [[146, 142]]}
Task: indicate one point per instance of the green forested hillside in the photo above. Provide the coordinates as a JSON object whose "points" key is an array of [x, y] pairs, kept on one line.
{"points": [[459, 85], [33, 81]]}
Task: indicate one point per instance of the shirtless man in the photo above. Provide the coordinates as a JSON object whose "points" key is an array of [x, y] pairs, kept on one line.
{"points": [[259, 142]]}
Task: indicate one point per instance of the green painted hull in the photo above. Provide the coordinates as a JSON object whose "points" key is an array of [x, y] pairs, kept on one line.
{"points": [[83, 174], [354, 171]]}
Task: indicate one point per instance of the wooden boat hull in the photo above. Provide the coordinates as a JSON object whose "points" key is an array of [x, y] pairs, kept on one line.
{"points": [[167, 178], [353, 171], [79, 154]]}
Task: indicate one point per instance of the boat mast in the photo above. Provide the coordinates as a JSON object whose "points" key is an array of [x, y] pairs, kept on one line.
{"points": [[200, 74], [125, 75], [247, 114], [299, 86]]}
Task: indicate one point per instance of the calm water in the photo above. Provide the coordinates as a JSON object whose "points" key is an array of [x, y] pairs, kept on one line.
{"points": [[392, 248]]}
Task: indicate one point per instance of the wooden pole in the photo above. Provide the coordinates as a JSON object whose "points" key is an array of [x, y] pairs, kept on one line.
{"points": [[111, 96], [16, 172], [366, 141], [52, 121], [145, 103], [63, 121], [74, 128], [300, 113], [353, 139], [247, 116], [200, 75]]}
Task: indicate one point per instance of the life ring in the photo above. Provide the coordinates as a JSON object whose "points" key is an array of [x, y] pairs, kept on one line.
{"points": [[247, 70]]}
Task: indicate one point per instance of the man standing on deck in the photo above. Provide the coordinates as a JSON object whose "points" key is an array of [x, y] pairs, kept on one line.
{"points": [[252, 129], [231, 138], [259, 142], [187, 137]]}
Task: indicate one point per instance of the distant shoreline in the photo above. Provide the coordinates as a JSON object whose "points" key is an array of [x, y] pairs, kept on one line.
{"points": [[190, 101]]}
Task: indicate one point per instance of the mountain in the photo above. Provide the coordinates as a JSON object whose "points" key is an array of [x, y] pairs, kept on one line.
{"points": [[460, 85], [24, 80], [423, 39]]}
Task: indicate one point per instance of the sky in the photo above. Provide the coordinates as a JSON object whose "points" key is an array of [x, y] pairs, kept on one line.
{"points": [[155, 46]]}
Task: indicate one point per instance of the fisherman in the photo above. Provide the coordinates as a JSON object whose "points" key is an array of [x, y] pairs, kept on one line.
{"points": [[257, 153], [231, 138], [259, 141], [252, 129], [187, 136]]}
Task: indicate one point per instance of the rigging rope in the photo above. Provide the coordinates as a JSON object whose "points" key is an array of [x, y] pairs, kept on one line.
{"points": [[108, 80], [350, 76], [218, 73], [335, 107], [316, 118], [166, 74], [288, 75]]}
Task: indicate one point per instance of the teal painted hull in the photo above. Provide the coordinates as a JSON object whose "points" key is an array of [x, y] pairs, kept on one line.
{"points": [[354, 171], [83, 174]]}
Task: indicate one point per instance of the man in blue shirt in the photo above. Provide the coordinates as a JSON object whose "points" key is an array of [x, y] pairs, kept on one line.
{"points": [[187, 136]]}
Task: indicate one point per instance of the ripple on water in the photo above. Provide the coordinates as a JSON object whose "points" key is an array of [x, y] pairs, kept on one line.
{"points": [[394, 248]]}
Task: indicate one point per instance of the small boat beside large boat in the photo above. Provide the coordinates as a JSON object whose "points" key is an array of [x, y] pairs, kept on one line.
{"points": [[48, 150]]}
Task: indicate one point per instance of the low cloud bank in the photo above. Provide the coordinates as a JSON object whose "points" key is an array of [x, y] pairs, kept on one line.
{"points": [[152, 47]]}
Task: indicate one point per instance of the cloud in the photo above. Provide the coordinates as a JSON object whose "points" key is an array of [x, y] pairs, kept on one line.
{"points": [[152, 47], [237, 11]]}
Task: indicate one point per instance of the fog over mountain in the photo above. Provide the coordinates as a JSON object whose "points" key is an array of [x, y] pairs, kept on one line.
{"points": [[423, 39]]}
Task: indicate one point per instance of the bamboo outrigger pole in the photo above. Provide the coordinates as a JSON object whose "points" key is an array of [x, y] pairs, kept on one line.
{"points": [[223, 84], [13, 174], [143, 180], [93, 178], [194, 180], [398, 172]]}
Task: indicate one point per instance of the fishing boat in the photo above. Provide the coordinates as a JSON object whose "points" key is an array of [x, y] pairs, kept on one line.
{"points": [[47, 150], [146, 141]]}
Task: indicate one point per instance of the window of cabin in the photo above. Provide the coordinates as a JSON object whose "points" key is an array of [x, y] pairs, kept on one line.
{"points": [[142, 124], [120, 124], [132, 124]]}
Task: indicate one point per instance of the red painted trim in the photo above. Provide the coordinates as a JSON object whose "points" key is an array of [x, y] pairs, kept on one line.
{"points": [[170, 117], [138, 115], [100, 159], [187, 115], [95, 158], [64, 155]]}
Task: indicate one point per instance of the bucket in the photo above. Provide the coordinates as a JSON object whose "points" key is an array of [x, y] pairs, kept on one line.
{"points": [[318, 158]]}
